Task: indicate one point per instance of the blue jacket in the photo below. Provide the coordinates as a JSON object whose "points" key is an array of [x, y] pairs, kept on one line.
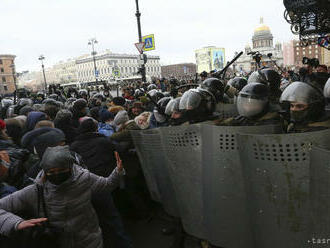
{"points": [[105, 129]]}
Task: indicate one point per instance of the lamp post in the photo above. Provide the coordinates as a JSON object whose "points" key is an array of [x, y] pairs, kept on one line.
{"points": [[12, 66], [41, 58], [138, 15], [92, 42]]}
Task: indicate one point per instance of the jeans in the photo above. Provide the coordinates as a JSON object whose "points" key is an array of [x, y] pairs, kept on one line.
{"points": [[114, 235]]}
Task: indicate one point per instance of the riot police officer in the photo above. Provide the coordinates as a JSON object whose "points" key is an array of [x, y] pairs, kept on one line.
{"points": [[197, 105], [270, 78], [159, 118], [307, 108], [172, 110], [253, 107]]}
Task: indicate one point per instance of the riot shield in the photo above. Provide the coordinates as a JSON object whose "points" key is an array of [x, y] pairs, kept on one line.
{"points": [[226, 216], [183, 149], [226, 110], [153, 161], [276, 174], [320, 193]]}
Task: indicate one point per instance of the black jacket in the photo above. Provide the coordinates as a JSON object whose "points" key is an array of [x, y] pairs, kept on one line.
{"points": [[97, 153]]}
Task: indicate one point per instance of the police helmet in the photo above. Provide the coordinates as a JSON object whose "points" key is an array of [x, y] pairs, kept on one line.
{"points": [[253, 100]]}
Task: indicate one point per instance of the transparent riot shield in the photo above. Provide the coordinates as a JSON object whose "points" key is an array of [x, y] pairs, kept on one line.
{"points": [[320, 194], [226, 110], [183, 149], [153, 161], [276, 174], [226, 216]]}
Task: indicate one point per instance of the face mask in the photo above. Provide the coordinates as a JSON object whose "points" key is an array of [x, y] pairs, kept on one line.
{"points": [[299, 116], [59, 178]]}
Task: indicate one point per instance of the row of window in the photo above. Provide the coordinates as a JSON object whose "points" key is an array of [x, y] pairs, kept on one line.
{"points": [[309, 52], [114, 62], [309, 47], [122, 70]]}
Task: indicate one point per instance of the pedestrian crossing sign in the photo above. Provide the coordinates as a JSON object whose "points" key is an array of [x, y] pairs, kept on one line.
{"points": [[149, 41]]}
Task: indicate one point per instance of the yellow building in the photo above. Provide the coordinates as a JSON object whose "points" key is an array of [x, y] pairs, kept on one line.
{"points": [[210, 58]]}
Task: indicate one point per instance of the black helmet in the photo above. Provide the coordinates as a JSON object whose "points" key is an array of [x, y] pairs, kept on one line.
{"points": [[82, 93], [172, 106], [198, 104], [138, 93], [40, 94], [159, 111], [69, 102], [162, 103], [253, 100], [155, 95], [5, 103], [237, 82], [99, 96], [215, 86], [50, 101], [266, 76], [304, 93], [151, 87], [24, 102], [53, 96]]}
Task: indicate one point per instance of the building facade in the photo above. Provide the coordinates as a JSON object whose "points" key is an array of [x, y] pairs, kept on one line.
{"points": [[108, 63], [179, 70], [294, 53], [311, 51], [81, 69], [210, 58], [262, 42], [7, 72], [288, 54]]}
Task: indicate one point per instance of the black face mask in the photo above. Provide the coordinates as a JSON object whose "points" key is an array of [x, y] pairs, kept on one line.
{"points": [[59, 178]]}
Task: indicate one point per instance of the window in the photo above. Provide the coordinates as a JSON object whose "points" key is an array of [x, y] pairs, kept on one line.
{"points": [[310, 52], [3, 79], [1, 70], [5, 87], [0, 61], [316, 51], [298, 53]]}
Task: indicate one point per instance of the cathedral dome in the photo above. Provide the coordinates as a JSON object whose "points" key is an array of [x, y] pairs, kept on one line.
{"points": [[261, 29]]}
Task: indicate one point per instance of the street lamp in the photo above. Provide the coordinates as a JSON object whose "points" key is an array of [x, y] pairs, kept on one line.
{"points": [[92, 42], [12, 66], [41, 58], [143, 66]]}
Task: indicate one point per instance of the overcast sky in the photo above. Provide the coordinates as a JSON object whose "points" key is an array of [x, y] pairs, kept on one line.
{"points": [[60, 29]]}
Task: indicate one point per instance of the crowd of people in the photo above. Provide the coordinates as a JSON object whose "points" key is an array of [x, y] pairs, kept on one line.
{"points": [[67, 156]]}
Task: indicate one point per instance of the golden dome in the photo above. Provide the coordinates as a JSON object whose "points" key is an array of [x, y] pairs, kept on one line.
{"points": [[262, 26]]}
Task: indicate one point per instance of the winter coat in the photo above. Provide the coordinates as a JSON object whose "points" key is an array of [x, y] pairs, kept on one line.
{"points": [[97, 152], [12, 161], [68, 205], [106, 129]]}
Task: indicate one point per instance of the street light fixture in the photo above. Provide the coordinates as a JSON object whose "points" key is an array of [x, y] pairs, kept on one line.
{"points": [[12, 66], [41, 58], [92, 42], [142, 70]]}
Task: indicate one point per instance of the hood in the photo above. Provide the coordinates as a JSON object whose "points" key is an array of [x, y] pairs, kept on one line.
{"points": [[143, 120], [33, 118]]}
